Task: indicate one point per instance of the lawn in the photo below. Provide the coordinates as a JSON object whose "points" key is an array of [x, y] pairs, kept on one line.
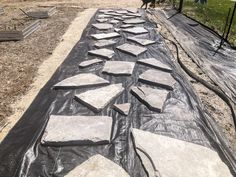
{"points": [[213, 14]]}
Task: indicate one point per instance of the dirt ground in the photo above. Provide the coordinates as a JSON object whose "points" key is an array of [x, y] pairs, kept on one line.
{"points": [[20, 61]]}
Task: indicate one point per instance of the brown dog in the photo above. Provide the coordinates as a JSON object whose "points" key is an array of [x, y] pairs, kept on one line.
{"points": [[145, 3]]}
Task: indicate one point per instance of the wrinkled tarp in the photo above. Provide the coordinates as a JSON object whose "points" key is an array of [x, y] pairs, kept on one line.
{"points": [[183, 117], [201, 45]]}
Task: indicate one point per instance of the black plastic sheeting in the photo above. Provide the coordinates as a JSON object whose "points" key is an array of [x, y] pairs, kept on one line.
{"points": [[183, 117], [201, 44]]}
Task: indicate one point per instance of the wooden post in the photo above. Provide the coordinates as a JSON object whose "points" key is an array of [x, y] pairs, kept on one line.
{"points": [[231, 20], [180, 6]]}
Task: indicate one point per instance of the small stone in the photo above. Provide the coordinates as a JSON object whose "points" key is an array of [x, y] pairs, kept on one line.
{"points": [[114, 21], [152, 62], [98, 166], [122, 108], [104, 43], [105, 35], [102, 26], [136, 30], [106, 53], [81, 81], [98, 99], [150, 97], [102, 20], [119, 68], [79, 130], [117, 29], [142, 42], [182, 158], [90, 62], [134, 21], [158, 78], [127, 26], [132, 49]]}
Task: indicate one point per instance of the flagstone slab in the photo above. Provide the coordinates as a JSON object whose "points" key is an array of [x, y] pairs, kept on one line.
{"points": [[154, 63], [132, 49], [98, 166], [143, 42], [104, 43], [104, 16], [106, 53], [105, 10], [153, 98], [113, 14], [123, 108], [134, 14], [119, 68], [158, 78], [98, 99], [117, 30], [136, 30], [127, 17], [134, 21], [102, 26], [81, 81], [127, 26], [88, 63], [105, 35], [183, 159], [114, 21], [118, 18], [80, 130], [121, 11], [102, 20]]}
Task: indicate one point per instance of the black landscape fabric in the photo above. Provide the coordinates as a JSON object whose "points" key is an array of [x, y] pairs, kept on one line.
{"points": [[183, 116]]}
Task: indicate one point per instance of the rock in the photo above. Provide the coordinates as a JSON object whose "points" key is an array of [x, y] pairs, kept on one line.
{"points": [[105, 35], [90, 62], [81, 81], [116, 29], [127, 26], [113, 14], [132, 49], [134, 21], [158, 78], [104, 16], [102, 20], [118, 18], [106, 10], [136, 30], [106, 53], [119, 68], [143, 42], [102, 26], [122, 108], [104, 43], [98, 99], [121, 11], [152, 98], [98, 166], [114, 21], [134, 14], [183, 159], [127, 17], [79, 130], [152, 62]]}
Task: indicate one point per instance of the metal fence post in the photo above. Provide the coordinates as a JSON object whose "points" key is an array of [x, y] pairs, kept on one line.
{"points": [[231, 21]]}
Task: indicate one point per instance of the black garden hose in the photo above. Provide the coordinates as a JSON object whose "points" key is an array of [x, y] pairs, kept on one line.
{"points": [[205, 83]]}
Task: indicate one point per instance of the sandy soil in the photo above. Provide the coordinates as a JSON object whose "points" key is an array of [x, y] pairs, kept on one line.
{"points": [[217, 108]]}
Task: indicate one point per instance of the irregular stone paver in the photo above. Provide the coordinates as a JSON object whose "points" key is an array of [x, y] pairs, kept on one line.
{"points": [[102, 20], [78, 130], [127, 26], [152, 62], [104, 16], [118, 18], [104, 43], [102, 26], [98, 166], [106, 11], [122, 108], [106, 53], [136, 30], [152, 98], [90, 62], [134, 14], [183, 159], [143, 42], [114, 21], [82, 80], [117, 29], [105, 35], [134, 21], [113, 14], [98, 99], [121, 11], [119, 68], [127, 17], [158, 78], [132, 49]]}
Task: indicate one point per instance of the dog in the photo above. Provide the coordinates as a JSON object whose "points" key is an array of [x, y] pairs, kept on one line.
{"points": [[145, 3]]}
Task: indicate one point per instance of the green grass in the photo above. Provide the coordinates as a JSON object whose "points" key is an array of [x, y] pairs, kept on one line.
{"points": [[213, 14]]}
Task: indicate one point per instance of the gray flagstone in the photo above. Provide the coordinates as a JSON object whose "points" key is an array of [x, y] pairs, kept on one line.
{"points": [[136, 30], [140, 41], [132, 49], [105, 35], [119, 68], [90, 62], [122, 108], [102, 26], [102, 20], [104, 43], [134, 21], [106, 53], [154, 63]]}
